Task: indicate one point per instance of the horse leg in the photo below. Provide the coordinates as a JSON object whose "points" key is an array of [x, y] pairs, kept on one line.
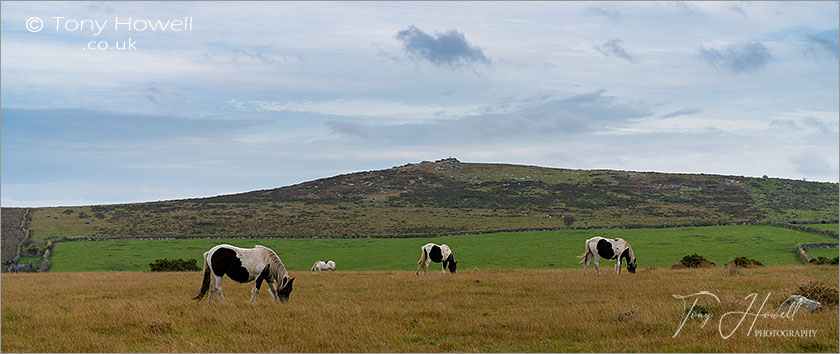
{"points": [[618, 266], [219, 289], [420, 262], [212, 289], [597, 270], [586, 259], [256, 289], [273, 291]]}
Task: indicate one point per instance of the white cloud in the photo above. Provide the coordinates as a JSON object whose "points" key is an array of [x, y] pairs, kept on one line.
{"points": [[689, 124], [362, 108], [812, 162]]}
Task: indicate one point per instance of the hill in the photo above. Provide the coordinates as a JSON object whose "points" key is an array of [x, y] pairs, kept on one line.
{"points": [[11, 231], [448, 196]]}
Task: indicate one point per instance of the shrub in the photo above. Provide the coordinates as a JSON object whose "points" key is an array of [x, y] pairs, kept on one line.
{"points": [[33, 250], [744, 262], [174, 265], [824, 260], [693, 261], [818, 291], [568, 220]]}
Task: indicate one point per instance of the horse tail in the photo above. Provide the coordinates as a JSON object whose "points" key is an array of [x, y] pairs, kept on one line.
{"points": [[585, 253], [205, 284]]}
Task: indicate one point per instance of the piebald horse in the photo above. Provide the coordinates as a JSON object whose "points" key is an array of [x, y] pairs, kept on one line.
{"points": [[321, 265], [431, 252], [244, 265], [616, 248]]}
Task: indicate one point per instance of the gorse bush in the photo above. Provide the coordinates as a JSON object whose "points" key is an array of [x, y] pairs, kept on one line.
{"points": [[818, 291], [744, 262], [174, 265], [824, 260], [693, 261]]}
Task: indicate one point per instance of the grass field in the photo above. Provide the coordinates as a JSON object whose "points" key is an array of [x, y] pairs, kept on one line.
{"points": [[825, 252], [498, 310], [538, 249], [833, 227]]}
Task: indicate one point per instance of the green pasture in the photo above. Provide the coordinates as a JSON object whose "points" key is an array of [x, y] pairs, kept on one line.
{"points": [[536, 249], [825, 252], [832, 227]]}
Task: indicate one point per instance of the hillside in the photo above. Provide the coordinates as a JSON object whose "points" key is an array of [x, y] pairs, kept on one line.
{"points": [[11, 231], [448, 196]]}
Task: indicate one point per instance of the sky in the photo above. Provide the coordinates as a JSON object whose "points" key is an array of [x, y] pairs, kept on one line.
{"points": [[119, 102]]}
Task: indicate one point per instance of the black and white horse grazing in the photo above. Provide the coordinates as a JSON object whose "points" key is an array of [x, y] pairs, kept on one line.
{"points": [[245, 265], [321, 265], [431, 252], [606, 248]]}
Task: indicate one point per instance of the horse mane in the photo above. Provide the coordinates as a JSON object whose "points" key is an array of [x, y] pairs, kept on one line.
{"points": [[276, 269], [629, 250]]}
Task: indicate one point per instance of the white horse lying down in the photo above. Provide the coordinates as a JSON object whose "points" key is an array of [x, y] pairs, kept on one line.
{"points": [[245, 265], [616, 248], [321, 265]]}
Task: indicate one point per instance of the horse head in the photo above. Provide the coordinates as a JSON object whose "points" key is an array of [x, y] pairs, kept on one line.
{"points": [[285, 290], [631, 266], [630, 259], [452, 266]]}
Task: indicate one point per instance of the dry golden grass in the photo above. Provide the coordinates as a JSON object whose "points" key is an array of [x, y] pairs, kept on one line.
{"points": [[488, 310]]}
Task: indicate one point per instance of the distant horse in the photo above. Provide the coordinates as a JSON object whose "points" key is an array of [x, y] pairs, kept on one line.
{"points": [[321, 265], [244, 265], [617, 249], [431, 252]]}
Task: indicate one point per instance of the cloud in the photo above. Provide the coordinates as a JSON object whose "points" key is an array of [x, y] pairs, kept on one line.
{"points": [[611, 14], [587, 112], [785, 124], [683, 112], [239, 56], [351, 129], [738, 9], [152, 92], [804, 123], [742, 57], [450, 48], [825, 41], [684, 6], [66, 127], [613, 48], [360, 108], [811, 162]]}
